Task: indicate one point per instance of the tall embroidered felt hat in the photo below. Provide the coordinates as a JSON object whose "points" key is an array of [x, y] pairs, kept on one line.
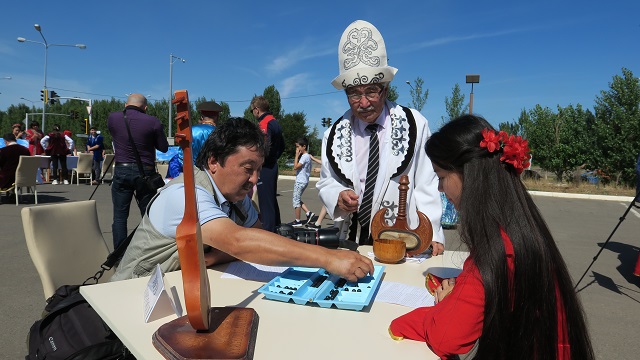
{"points": [[362, 57]]}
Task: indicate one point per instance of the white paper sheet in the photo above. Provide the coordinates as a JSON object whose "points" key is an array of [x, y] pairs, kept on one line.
{"points": [[405, 295]]}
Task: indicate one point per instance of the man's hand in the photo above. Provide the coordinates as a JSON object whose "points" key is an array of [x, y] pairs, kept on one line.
{"points": [[348, 200], [437, 248], [349, 265]]}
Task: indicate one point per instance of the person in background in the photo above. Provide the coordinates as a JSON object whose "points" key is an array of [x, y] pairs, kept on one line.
{"points": [[379, 132], [148, 135], [268, 183], [9, 159], [302, 166], [95, 145], [17, 131], [227, 168], [34, 135], [199, 134], [318, 223], [514, 298], [209, 112], [71, 146], [56, 145]]}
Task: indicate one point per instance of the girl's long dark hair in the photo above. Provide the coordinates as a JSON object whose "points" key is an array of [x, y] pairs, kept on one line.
{"points": [[521, 323]]}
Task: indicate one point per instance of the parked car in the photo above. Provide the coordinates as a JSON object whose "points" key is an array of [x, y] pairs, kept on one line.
{"points": [[289, 163]]}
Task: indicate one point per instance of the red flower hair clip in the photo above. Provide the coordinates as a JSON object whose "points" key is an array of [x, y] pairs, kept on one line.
{"points": [[515, 150]]}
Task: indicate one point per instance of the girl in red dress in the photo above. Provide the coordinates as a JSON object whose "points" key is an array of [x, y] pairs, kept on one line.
{"points": [[514, 298]]}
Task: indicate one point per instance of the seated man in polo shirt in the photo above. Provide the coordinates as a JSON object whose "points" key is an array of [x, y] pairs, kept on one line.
{"points": [[229, 164]]}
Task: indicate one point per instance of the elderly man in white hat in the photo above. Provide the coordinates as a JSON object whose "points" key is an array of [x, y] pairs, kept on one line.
{"points": [[375, 142]]}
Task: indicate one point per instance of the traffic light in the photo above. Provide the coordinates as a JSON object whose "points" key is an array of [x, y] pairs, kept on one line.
{"points": [[86, 126], [44, 95], [53, 97]]}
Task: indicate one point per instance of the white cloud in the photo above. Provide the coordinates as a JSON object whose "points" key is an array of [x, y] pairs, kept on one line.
{"points": [[290, 84], [294, 56], [453, 39]]}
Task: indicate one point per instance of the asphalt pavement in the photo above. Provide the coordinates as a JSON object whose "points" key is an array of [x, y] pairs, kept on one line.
{"points": [[609, 292]]}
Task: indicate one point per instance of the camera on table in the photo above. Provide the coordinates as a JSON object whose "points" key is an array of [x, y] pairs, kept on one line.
{"points": [[324, 237]]}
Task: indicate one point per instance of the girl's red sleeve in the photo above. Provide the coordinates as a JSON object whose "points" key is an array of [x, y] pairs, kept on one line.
{"points": [[453, 325]]}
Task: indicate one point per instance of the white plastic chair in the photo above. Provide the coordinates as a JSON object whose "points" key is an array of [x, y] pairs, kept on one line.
{"points": [[84, 167], [65, 243], [26, 176], [107, 167]]}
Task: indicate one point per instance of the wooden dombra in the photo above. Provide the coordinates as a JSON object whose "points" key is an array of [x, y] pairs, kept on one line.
{"points": [[205, 331], [418, 239]]}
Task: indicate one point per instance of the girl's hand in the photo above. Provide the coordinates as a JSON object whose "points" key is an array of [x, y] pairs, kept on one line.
{"points": [[444, 289]]}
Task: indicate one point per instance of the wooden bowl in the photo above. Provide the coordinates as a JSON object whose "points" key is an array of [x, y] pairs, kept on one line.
{"points": [[389, 251]]}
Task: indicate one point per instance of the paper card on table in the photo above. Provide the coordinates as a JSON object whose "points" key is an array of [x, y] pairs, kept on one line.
{"points": [[157, 301]]}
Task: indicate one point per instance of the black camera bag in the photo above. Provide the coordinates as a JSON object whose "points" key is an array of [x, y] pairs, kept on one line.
{"points": [[71, 329]]}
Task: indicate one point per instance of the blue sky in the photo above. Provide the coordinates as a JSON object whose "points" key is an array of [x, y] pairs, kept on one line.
{"points": [[527, 53]]}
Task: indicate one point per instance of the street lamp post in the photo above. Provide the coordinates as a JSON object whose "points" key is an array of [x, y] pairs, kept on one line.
{"points": [[411, 86], [33, 103], [46, 51], [172, 59], [472, 79]]}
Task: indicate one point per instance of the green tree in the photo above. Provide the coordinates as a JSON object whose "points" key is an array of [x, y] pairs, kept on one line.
{"points": [[14, 114], [617, 128], [418, 97], [392, 93], [293, 126], [455, 105], [315, 142], [510, 128], [273, 97], [559, 141]]}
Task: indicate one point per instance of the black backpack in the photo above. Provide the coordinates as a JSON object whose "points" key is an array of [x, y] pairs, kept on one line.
{"points": [[70, 328]]}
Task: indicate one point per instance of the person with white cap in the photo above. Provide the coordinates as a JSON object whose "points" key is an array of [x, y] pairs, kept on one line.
{"points": [[355, 182]]}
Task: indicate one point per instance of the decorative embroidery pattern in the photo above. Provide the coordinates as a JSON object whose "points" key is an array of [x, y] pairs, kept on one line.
{"points": [[359, 48], [398, 134], [344, 142], [390, 215], [363, 80]]}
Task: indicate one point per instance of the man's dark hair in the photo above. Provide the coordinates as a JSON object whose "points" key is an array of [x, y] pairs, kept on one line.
{"points": [[9, 137], [225, 140], [34, 123], [93, 128]]}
